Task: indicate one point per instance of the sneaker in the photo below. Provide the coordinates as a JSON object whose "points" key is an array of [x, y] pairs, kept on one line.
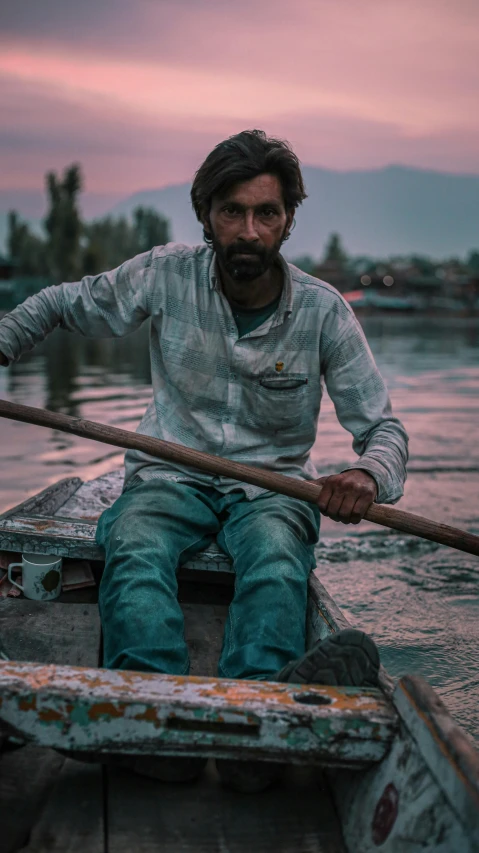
{"points": [[349, 659]]}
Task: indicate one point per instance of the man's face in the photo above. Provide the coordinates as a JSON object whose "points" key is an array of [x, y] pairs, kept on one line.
{"points": [[248, 225]]}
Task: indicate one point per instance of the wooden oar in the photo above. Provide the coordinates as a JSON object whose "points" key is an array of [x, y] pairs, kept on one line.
{"points": [[387, 516]]}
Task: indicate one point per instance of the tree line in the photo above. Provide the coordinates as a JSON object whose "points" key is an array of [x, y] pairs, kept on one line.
{"points": [[71, 247]]}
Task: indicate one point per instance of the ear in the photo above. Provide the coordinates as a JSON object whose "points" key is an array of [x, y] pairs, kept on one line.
{"points": [[205, 221], [289, 223]]}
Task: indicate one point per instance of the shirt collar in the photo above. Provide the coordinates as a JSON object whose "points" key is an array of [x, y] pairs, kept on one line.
{"points": [[286, 302], [213, 278]]}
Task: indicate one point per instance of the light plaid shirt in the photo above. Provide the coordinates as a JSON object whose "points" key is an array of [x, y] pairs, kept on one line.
{"points": [[254, 399]]}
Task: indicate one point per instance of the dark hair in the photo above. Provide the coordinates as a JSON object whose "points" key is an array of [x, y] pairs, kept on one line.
{"points": [[241, 158]]}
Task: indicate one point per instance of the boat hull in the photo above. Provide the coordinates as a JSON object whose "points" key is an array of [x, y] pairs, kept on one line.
{"points": [[401, 774]]}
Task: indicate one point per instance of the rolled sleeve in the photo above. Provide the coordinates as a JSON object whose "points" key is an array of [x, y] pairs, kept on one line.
{"points": [[108, 305], [363, 406]]}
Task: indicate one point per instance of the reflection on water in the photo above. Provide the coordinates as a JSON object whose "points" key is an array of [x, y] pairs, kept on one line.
{"points": [[417, 599]]}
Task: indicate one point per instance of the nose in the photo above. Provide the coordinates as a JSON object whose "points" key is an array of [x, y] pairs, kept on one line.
{"points": [[248, 231]]}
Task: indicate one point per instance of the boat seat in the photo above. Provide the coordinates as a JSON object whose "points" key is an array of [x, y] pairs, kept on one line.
{"points": [[75, 538], [212, 559], [120, 711]]}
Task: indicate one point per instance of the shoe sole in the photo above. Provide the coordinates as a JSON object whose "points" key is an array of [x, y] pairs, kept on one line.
{"points": [[349, 658]]}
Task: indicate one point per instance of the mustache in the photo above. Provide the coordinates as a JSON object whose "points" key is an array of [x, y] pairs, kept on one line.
{"points": [[242, 250]]}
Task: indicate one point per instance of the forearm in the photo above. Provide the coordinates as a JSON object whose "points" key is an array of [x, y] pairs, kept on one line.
{"points": [[108, 305], [363, 406], [29, 323], [383, 453]]}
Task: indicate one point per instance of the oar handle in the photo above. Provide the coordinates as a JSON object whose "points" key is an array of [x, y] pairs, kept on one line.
{"points": [[386, 516]]}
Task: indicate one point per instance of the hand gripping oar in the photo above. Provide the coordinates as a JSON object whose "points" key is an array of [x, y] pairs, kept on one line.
{"points": [[388, 516]]}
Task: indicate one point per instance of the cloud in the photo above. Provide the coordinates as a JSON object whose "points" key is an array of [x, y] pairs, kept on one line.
{"points": [[146, 88], [45, 129], [58, 19], [355, 143], [143, 28], [121, 152]]}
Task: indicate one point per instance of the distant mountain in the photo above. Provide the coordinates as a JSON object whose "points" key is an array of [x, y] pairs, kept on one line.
{"points": [[387, 211], [174, 203], [395, 210]]}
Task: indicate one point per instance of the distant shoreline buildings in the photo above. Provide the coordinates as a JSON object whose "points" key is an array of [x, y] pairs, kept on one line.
{"points": [[404, 285], [368, 286], [69, 247]]}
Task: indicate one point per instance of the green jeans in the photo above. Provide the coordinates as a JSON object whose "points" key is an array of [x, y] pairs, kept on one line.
{"points": [[155, 526]]}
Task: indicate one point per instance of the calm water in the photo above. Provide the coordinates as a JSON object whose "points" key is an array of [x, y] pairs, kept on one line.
{"points": [[418, 600]]}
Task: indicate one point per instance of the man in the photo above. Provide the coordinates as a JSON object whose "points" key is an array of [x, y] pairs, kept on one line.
{"points": [[241, 342]]}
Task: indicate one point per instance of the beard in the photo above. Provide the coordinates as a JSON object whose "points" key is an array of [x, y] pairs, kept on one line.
{"points": [[243, 262]]}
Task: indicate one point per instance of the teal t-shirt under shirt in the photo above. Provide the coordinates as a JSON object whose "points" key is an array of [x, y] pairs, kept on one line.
{"points": [[249, 319]]}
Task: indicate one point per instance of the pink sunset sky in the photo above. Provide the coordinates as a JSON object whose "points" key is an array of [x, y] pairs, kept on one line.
{"points": [[138, 91]]}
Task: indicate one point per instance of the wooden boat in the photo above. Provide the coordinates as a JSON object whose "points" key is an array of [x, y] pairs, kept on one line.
{"points": [[368, 769]]}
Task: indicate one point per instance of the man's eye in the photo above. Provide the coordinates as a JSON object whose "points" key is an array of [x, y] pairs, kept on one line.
{"points": [[268, 212], [231, 211]]}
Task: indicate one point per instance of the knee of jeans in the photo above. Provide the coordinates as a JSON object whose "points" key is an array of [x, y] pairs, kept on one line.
{"points": [[288, 532], [275, 568], [128, 528], [273, 541], [289, 574]]}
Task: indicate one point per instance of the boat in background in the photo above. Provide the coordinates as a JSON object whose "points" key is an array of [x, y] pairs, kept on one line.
{"points": [[371, 299]]}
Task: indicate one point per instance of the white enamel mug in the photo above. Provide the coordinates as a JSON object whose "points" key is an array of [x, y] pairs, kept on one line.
{"points": [[41, 576]]}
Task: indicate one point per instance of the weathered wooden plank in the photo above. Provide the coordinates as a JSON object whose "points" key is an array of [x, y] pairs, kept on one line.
{"points": [[84, 595], [93, 497], [204, 626], [50, 535], [326, 609], [119, 711], [451, 757], [26, 777], [76, 539], [424, 794], [323, 615], [149, 817], [72, 820], [50, 632], [64, 633], [212, 559], [48, 501], [398, 805]]}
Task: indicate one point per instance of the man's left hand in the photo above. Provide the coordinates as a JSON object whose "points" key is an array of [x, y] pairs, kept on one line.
{"points": [[347, 497]]}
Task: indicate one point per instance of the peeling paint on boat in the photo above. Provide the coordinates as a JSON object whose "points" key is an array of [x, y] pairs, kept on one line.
{"points": [[107, 710]]}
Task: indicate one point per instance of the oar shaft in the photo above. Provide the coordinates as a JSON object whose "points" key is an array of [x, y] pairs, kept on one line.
{"points": [[386, 516]]}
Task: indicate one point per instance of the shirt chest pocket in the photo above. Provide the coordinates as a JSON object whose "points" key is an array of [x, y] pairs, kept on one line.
{"points": [[277, 401]]}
